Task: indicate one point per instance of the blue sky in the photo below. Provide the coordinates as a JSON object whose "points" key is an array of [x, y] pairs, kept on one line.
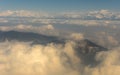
{"points": [[59, 5]]}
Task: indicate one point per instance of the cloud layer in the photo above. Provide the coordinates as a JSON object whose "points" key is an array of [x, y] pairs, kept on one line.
{"points": [[90, 18], [88, 15]]}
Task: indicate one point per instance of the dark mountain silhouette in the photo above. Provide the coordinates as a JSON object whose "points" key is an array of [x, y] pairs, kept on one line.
{"points": [[29, 36], [87, 51], [86, 47]]}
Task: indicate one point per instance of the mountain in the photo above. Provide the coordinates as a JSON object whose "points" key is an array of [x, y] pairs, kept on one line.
{"points": [[29, 36], [85, 49]]}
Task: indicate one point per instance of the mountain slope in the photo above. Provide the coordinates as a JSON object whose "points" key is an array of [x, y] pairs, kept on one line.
{"points": [[87, 51]]}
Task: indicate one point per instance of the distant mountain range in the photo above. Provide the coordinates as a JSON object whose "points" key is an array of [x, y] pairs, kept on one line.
{"points": [[85, 49]]}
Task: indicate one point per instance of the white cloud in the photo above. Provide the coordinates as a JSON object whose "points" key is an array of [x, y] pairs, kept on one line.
{"points": [[6, 13], [22, 58], [48, 27], [71, 14], [43, 29], [77, 36], [91, 15], [22, 27], [85, 23], [102, 14], [110, 63], [112, 40], [92, 18], [106, 39], [19, 58], [22, 13]]}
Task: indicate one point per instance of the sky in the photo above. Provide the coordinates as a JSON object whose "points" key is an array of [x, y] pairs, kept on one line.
{"points": [[59, 5]]}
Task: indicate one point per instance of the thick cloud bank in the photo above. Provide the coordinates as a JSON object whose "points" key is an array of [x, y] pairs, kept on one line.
{"points": [[22, 58]]}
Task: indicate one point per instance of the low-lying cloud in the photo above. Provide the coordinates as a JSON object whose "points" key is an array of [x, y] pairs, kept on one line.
{"points": [[77, 36], [22, 58], [46, 29]]}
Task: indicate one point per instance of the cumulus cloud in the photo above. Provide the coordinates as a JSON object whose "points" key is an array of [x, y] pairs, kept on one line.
{"points": [[49, 27], [73, 15], [110, 63], [102, 14], [77, 36], [22, 58], [90, 15], [22, 13], [6, 13], [106, 39], [19, 58], [43, 29], [93, 15]]}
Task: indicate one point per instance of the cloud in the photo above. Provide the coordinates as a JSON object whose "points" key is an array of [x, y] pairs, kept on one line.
{"points": [[88, 18], [112, 40], [88, 15], [102, 14], [6, 13], [19, 58], [32, 28], [48, 27], [2, 20], [73, 15], [110, 63], [77, 36], [43, 29], [22, 58], [84, 22], [22, 13], [106, 39], [92, 15]]}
